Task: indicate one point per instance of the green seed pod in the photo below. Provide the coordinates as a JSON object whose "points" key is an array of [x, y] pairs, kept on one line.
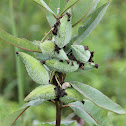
{"points": [[46, 92], [64, 67], [35, 69], [64, 33], [80, 53], [72, 96], [89, 66], [48, 48]]}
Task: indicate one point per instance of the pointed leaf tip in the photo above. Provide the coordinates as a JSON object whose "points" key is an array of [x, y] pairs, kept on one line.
{"points": [[43, 4], [89, 26], [97, 97]]}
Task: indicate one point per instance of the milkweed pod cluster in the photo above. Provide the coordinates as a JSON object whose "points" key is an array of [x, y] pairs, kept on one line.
{"points": [[46, 92], [72, 96], [49, 48], [81, 53], [35, 69], [64, 31], [64, 67]]}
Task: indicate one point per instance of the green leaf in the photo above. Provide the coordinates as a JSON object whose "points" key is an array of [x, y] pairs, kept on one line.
{"points": [[19, 42], [46, 92], [82, 9], [35, 102], [9, 119], [69, 5], [51, 19], [35, 69], [63, 123], [54, 4], [97, 97], [64, 6], [89, 26], [91, 113], [43, 4]]}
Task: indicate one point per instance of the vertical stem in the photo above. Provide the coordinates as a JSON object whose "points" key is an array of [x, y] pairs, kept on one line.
{"points": [[58, 113], [18, 60], [58, 9]]}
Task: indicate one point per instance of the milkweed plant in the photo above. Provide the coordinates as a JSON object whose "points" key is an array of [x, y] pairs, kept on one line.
{"points": [[62, 53]]}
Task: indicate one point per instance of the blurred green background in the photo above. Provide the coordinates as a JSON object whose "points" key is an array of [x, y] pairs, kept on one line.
{"points": [[107, 40]]}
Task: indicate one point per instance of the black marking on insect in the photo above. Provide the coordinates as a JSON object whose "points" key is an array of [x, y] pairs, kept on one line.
{"points": [[86, 47], [69, 15], [61, 16], [60, 92], [43, 61], [70, 56], [64, 93], [78, 62], [57, 49], [81, 64], [17, 53], [61, 60], [83, 102], [90, 60], [68, 19], [55, 25], [58, 22], [92, 54], [96, 66], [67, 61], [55, 29], [64, 47], [72, 64]]}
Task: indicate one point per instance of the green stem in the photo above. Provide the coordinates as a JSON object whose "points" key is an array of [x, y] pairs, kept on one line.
{"points": [[46, 35], [18, 60], [58, 112]]}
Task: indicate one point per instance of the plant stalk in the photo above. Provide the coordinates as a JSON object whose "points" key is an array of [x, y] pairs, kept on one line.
{"points": [[58, 112], [19, 69], [18, 61]]}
